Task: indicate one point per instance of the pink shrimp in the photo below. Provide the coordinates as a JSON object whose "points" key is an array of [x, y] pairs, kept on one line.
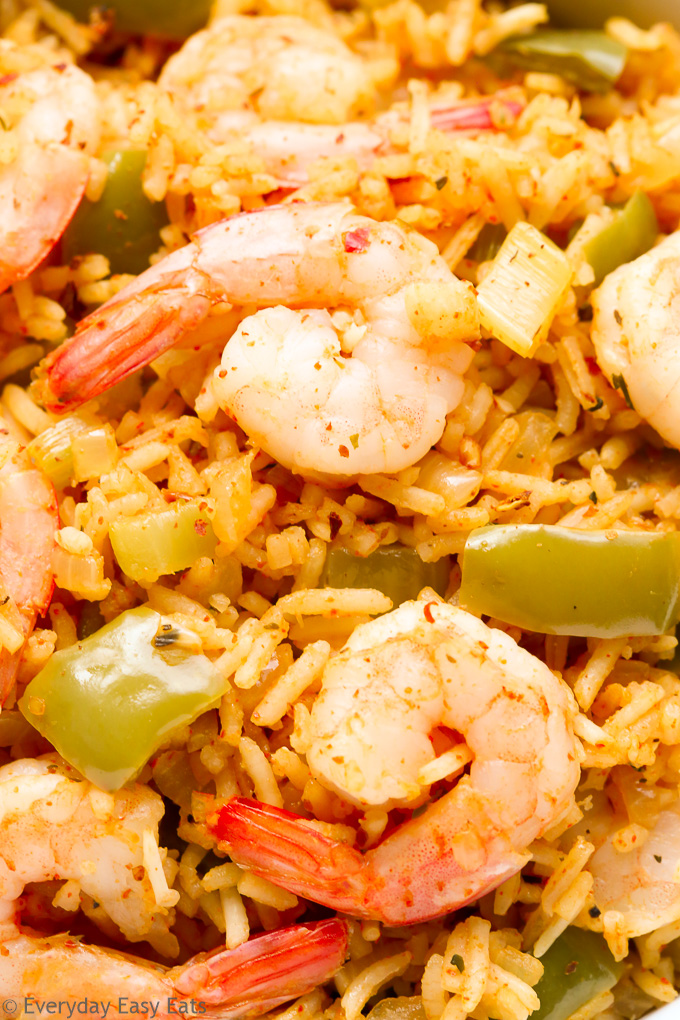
{"points": [[422, 666], [288, 148], [255, 977], [50, 115], [283, 375], [28, 521]]}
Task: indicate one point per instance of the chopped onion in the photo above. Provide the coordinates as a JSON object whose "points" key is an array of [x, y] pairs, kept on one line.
{"points": [[522, 291]]}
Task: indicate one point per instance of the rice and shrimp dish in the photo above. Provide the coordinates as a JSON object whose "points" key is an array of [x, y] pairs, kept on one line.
{"points": [[339, 511]]}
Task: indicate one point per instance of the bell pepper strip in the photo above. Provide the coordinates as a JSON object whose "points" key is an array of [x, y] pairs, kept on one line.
{"points": [[577, 967], [591, 60], [566, 581], [395, 570], [631, 233], [123, 224], [163, 542], [109, 701], [167, 19]]}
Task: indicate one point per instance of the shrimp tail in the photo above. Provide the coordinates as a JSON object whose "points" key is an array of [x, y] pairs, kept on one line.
{"points": [[279, 846], [478, 116], [268, 970], [119, 338], [43, 190]]}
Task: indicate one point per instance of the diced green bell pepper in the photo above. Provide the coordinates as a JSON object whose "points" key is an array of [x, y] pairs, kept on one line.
{"points": [[169, 19], [578, 966], [629, 235], [565, 581], [123, 224], [592, 61], [162, 541], [109, 701], [395, 570]]}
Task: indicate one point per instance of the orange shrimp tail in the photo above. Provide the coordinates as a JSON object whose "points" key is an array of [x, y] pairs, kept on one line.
{"points": [[268, 970], [119, 338], [279, 846], [47, 185]]}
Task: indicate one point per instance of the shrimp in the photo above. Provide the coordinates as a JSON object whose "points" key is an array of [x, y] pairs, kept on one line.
{"points": [[636, 332], [290, 90], [54, 824], [50, 122], [423, 666], [241, 69], [28, 522], [288, 149], [642, 883], [255, 977], [364, 391]]}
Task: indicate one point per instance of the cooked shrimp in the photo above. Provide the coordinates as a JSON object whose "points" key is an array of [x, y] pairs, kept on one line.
{"points": [[255, 977], [28, 522], [286, 376], [636, 332], [642, 883], [423, 666], [55, 825], [290, 90], [50, 121], [241, 69], [288, 149]]}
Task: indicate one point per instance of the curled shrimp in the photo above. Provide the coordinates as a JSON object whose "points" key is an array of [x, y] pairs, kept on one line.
{"points": [[28, 522], [55, 825], [367, 389], [423, 666], [636, 332], [291, 91], [50, 122], [241, 69]]}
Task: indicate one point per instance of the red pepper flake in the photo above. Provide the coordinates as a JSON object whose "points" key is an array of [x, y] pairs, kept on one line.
{"points": [[343, 451], [428, 612], [200, 527], [356, 240]]}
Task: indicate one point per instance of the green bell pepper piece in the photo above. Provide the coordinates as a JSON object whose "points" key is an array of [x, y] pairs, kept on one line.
{"points": [[629, 235], [578, 966], [109, 701], [162, 542], [564, 581], [169, 19], [590, 60], [124, 224], [395, 570], [488, 243]]}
